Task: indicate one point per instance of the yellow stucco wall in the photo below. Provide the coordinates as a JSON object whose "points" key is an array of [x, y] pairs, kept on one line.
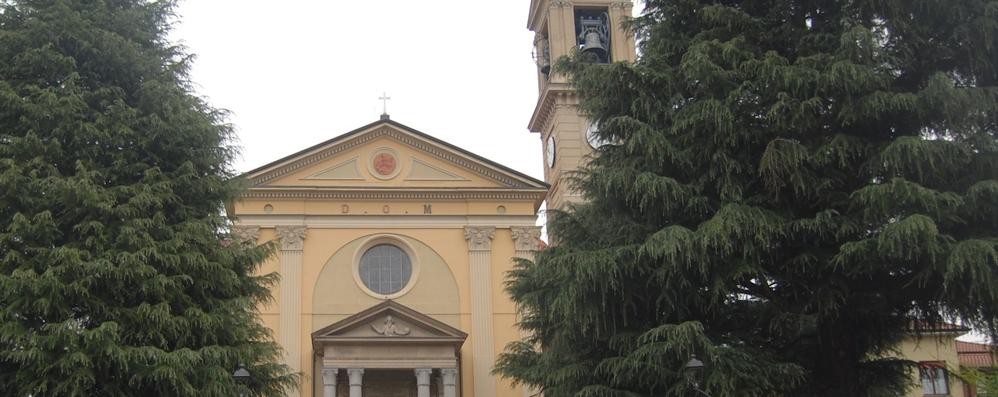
{"points": [[933, 348]]}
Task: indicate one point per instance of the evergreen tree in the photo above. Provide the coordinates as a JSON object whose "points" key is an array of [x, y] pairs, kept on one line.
{"points": [[795, 186], [115, 278]]}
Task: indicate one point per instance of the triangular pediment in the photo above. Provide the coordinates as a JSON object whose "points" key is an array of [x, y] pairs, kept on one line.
{"points": [[388, 155], [389, 322]]}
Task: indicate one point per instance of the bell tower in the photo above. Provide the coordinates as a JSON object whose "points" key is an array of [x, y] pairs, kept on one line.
{"points": [[594, 27]]}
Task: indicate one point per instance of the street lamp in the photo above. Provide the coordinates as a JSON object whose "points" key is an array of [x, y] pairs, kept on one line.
{"points": [[696, 367], [242, 377]]}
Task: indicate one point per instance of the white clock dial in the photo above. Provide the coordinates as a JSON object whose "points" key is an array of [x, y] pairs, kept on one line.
{"points": [[551, 151], [594, 140]]}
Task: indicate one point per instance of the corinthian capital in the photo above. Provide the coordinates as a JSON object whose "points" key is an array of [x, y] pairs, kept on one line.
{"points": [[292, 237], [479, 237], [626, 5], [525, 238], [246, 234]]}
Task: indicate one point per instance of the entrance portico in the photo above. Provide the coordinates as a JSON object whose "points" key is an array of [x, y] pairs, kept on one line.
{"points": [[389, 350]]}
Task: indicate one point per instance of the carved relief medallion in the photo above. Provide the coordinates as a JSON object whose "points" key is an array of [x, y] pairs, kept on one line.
{"points": [[384, 163]]}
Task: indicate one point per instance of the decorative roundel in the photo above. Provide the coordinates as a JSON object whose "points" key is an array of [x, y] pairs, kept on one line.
{"points": [[384, 164], [551, 151]]}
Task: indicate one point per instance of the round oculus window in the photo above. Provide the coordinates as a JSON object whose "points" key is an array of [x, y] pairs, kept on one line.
{"points": [[385, 269]]}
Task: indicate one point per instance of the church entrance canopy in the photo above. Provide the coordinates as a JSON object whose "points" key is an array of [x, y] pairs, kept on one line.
{"points": [[386, 340]]}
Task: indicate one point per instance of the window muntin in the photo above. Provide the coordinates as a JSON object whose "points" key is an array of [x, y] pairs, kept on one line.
{"points": [[385, 269], [935, 379]]}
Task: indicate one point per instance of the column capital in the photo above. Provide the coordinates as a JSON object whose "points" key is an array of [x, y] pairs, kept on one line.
{"points": [[526, 238], [423, 376], [479, 237], [624, 5], [246, 233], [449, 376], [292, 237], [329, 376], [356, 376]]}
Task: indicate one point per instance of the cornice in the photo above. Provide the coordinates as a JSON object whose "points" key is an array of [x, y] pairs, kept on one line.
{"points": [[401, 194], [384, 131], [535, 14], [546, 104], [389, 221]]}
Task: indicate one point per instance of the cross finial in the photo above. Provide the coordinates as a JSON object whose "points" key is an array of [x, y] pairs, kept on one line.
{"points": [[384, 103]]}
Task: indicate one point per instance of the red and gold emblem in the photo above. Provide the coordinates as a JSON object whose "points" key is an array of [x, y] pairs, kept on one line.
{"points": [[385, 164]]}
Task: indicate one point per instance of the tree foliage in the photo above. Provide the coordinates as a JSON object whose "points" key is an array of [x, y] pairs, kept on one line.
{"points": [[114, 276], [985, 382], [796, 185]]}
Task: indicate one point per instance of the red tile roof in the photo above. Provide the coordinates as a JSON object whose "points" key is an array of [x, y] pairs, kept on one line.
{"points": [[977, 355]]}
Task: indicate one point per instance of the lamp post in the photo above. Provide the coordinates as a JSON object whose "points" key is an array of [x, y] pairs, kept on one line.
{"points": [[696, 367], [242, 377]]}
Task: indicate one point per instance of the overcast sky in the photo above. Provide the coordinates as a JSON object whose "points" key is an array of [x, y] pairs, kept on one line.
{"points": [[295, 73]]}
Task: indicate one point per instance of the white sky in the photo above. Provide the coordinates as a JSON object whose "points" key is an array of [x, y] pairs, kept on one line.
{"points": [[295, 72]]}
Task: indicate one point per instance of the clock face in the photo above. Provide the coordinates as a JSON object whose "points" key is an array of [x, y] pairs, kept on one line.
{"points": [[594, 140], [551, 151]]}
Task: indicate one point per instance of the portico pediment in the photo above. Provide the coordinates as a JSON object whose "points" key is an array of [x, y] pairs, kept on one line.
{"points": [[388, 323]]}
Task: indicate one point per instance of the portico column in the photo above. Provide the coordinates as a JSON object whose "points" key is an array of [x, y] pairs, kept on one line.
{"points": [[423, 382], [329, 381], [480, 260], [449, 376], [526, 241], [292, 243], [356, 381]]}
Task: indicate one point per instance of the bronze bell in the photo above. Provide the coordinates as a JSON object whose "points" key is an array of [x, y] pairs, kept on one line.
{"points": [[594, 44]]}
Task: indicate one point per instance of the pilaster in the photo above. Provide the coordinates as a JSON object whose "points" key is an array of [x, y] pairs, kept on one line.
{"points": [[526, 240], [480, 260], [292, 242]]}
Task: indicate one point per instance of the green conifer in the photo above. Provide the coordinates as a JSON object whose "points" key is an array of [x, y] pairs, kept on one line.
{"points": [[796, 186], [115, 278]]}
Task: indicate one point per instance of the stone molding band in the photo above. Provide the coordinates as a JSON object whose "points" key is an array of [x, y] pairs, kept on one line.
{"points": [[525, 194]]}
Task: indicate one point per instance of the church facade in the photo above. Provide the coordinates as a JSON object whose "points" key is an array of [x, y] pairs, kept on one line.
{"points": [[394, 246], [393, 253]]}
